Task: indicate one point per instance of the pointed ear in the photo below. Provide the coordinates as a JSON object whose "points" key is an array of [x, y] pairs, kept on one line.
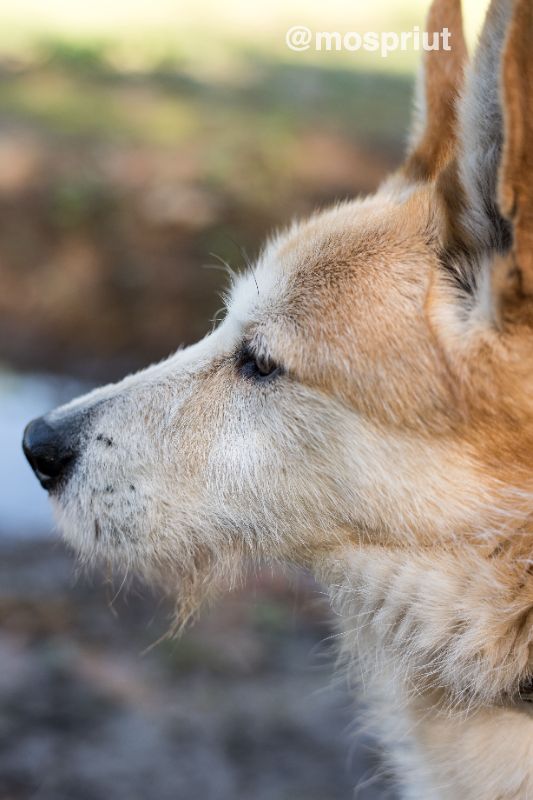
{"points": [[516, 171], [438, 86], [474, 279], [470, 185]]}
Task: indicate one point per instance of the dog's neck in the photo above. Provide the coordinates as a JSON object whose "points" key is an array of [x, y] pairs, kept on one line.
{"points": [[485, 754], [438, 641]]}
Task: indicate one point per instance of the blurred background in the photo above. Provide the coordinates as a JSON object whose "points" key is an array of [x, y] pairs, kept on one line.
{"points": [[141, 142]]}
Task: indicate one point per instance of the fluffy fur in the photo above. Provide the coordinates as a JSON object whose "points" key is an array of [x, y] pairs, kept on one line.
{"points": [[392, 454]]}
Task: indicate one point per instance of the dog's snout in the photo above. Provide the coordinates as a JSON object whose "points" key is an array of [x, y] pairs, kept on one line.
{"points": [[51, 449]]}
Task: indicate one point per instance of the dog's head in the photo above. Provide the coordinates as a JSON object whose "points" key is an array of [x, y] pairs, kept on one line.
{"points": [[371, 379]]}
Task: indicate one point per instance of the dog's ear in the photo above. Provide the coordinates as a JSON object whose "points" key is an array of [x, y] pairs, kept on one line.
{"points": [[470, 186], [516, 171], [433, 138], [480, 206]]}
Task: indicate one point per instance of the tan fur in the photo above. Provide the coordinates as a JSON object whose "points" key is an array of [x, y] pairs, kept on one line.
{"points": [[394, 454], [443, 79], [516, 191]]}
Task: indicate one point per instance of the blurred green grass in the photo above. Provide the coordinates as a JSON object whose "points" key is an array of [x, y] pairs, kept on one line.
{"points": [[73, 91]]}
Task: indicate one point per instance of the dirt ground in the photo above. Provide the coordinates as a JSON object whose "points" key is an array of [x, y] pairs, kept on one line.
{"points": [[244, 706]]}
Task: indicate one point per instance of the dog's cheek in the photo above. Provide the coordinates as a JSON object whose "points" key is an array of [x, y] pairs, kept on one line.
{"points": [[259, 474]]}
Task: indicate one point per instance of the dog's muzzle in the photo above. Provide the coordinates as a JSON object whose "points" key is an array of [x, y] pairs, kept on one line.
{"points": [[51, 446]]}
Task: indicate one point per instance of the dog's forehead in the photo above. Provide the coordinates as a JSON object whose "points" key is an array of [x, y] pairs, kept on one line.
{"points": [[338, 262]]}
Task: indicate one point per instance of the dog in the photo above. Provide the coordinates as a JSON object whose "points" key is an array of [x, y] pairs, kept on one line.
{"points": [[364, 409]]}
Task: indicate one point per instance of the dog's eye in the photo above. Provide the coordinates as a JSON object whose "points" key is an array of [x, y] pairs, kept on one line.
{"points": [[257, 367]]}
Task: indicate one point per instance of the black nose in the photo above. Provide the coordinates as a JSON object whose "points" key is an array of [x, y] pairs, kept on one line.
{"points": [[50, 447]]}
